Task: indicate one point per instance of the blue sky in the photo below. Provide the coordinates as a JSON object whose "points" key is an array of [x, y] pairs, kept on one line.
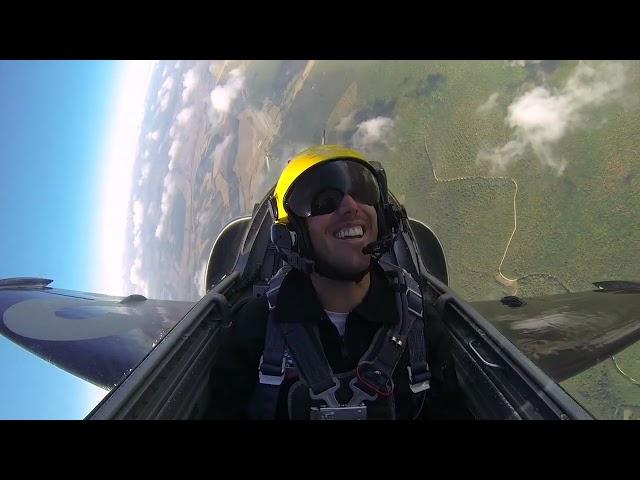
{"points": [[68, 137], [54, 118]]}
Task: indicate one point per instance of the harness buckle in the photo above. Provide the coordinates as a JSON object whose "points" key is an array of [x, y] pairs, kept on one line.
{"points": [[339, 413], [354, 410], [268, 375], [421, 382], [328, 396]]}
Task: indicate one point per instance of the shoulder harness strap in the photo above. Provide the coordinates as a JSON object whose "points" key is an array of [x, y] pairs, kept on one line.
{"points": [[373, 375], [273, 361], [411, 308]]}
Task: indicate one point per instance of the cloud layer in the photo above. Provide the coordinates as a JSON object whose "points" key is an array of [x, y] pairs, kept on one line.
{"points": [[490, 104], [223, 96], [543, 116], [376, 131]]}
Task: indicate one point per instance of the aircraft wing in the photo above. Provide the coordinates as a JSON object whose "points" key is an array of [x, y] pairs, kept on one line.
{"points": [[568, 333]]}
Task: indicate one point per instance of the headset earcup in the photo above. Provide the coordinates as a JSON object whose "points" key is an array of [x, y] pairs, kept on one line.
{"points": [[292, 237], [302, 244], [281, 237]]}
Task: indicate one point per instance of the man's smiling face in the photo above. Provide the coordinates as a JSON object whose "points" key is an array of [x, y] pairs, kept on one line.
{"points": [[339, 237]]}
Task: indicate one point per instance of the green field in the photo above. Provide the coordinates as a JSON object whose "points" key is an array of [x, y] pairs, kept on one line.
{"points": [[573, 229]]}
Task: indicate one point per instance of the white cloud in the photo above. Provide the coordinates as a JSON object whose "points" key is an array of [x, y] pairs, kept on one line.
{"points": [[542, 116], [178, 64], [168, 193], [164, 94], [345, 123], [138, 215], [184, 116], [204, 217], [168, 84], [174, 152], [169, 190], [138, 220], [144, 173], [490, 104], [199, 279], [141, 285], [214, 66], [189, 82], [223, 96], [137, 240], [164, 101], [155, 135], [374, 131]]}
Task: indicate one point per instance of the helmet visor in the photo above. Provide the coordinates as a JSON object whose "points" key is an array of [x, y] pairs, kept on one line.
{"points": [[320, 190]]}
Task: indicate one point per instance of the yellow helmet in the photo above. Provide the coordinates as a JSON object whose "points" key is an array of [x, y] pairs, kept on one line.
{"points": [[296, 196], [301, 163]]}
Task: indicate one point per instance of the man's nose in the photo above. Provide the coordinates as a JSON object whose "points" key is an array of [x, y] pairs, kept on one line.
{"points": [[347, 205]]}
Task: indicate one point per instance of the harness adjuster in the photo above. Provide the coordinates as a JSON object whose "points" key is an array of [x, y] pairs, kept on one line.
{"points": [[419, 381], [268, 374], [272, 296], [373, 379], [414, 302]]}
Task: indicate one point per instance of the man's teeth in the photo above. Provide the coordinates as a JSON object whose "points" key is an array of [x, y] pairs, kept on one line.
{"points": [[350, 232]]}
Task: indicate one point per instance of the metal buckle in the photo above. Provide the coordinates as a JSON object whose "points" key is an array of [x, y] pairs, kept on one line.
{"points": [[266, 379], [359, 395], [328, 396], [421, 386], [339, 413]]}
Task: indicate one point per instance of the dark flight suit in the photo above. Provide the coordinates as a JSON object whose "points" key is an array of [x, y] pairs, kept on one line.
{"points": [[235, 373]]}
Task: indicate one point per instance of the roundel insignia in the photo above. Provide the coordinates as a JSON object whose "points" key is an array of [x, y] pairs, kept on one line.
{"points": [[64, 319]]}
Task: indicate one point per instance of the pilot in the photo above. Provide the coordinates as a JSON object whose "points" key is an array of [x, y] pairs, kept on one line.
{"points": [[340, 333]]}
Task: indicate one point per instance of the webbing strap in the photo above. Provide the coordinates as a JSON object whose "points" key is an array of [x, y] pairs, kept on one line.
{"points": [[412, 301], [272, 363], [374, 373], [308, 353], [376, 367]]}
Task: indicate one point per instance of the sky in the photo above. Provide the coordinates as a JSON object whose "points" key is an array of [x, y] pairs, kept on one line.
{"points": [[58, 132], [68, 132]]}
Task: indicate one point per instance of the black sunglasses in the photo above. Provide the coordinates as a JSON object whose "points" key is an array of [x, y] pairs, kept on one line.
{"points": [[320, 190]]}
